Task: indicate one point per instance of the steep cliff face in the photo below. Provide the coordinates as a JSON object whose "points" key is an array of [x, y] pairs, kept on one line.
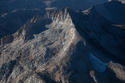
{"points": [[64, 46]]}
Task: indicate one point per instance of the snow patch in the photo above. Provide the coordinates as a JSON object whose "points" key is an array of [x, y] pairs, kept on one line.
{"points": [[97, 64]]}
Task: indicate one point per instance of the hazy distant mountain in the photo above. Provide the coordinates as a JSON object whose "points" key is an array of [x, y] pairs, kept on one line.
{"points": [[65, 46], [113, 11], [77, 4], [8, 5], [123, 1]]}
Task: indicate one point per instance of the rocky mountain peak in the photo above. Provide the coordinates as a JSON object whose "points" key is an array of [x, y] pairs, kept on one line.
{"points": [[64, 45], [51, 18]]}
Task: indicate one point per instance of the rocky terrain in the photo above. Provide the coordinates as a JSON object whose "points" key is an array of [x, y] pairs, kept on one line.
{"points": [[63, 45]]}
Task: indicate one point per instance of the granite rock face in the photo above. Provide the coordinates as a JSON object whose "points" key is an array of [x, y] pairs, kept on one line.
{"points": [[65, 46]]}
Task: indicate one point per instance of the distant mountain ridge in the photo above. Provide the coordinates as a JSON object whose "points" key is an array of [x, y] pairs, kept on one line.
{"points": [[113, 11], [9, 5]]}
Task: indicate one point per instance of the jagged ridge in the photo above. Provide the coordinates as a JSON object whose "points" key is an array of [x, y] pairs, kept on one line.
{"points": [[67, 47]]}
